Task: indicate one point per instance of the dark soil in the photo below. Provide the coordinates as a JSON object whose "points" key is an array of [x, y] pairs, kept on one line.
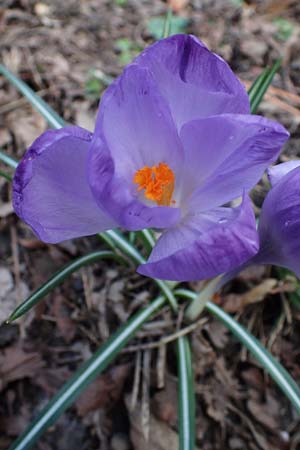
{"points": [[68, 51]]}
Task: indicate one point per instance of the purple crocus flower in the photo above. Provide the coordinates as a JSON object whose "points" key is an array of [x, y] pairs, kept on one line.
{"points": [[279, 224], [174, 143], [278, 227]]}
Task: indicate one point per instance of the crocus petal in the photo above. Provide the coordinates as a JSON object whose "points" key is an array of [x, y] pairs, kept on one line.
{"points": [[196, 82], [134, 129], [205, 246], [231, 152], [136, 124], [275, 173], [50, 189], [279, 224]]}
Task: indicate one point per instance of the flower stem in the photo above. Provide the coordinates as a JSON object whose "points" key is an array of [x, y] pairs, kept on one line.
{"points": [[199, 303]]}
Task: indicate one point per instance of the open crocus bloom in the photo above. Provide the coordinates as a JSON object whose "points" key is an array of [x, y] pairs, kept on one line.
{"points": [[174, 143]]}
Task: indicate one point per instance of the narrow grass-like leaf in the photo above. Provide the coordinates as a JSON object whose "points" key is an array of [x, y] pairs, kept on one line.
{"points": [[132, 237], [261, 84], [186, 395], [147, 238], [281, 377], [123, 244], [256, 84], [107, 239], [84, 376], [47, 112], [132, 252], [167, 24], [8, 160], [5, 175], [58, 279]]}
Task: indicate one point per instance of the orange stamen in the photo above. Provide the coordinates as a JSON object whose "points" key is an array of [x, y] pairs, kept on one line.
{"points": [[158, 182]]}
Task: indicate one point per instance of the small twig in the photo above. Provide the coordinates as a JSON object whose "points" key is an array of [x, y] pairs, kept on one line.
{"points": [[250, 326], [86, 287], [20, 102], [276, 331], [283, 105], [287, 308], [90, 335], [136, 381], [272, 97], [161, 366], [167, 339], [146, 394]]}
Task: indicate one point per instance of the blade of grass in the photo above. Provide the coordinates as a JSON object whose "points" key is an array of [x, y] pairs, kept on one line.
{"points": [[186, 395], [84, 376], [48, 113], [167, 24], [281, 377], [132, 252], [257, 82], [260, 86], [58, 278], [123, 244], [132, 236], [147, 238]]}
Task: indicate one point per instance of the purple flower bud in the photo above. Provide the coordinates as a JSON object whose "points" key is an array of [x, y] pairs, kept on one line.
{"points": [[279, 225]]}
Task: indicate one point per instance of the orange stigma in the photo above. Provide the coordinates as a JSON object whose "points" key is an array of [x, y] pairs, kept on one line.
{"points": [[158, 182]]}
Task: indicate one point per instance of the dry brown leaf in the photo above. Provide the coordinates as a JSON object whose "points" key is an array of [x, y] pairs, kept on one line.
{"points": [[66, 325], [104, 391], [32, 243], [254, 378], [253, 274], [264, 413], [163, 405], [161, 437], [84, 117], [26, 125], [6, 209], [218, 334], [216, 399], [10, 295], [5, 137], [15, 424], [16, 364], [177, 5], [237, 302], [51, 379], [6, 282]]}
